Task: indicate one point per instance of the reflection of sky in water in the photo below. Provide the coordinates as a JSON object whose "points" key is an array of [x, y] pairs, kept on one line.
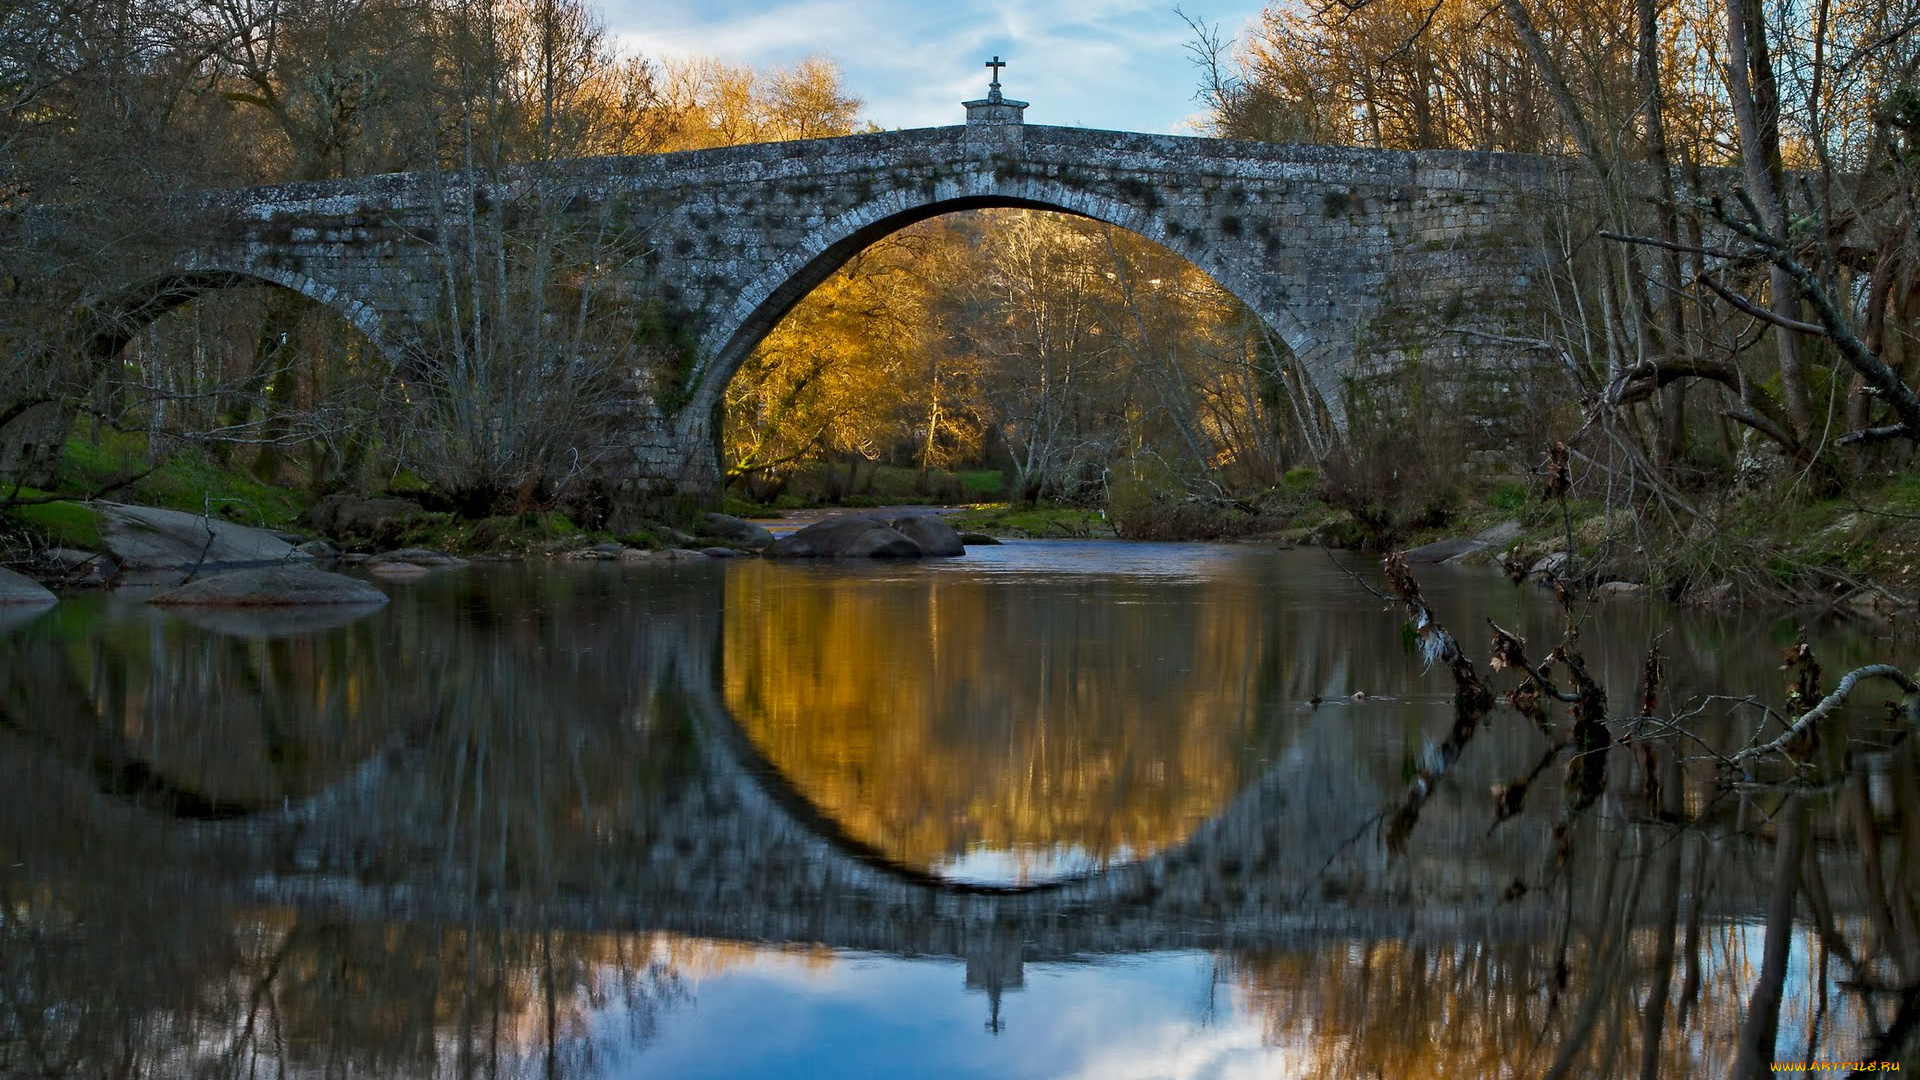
{"points": [[1118, 558], [1026, 864], [1157, 1016]]}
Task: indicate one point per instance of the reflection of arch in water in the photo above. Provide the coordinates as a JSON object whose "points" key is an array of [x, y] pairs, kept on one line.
{"points": [[114, 770], [1245, 840], [76, 722]]}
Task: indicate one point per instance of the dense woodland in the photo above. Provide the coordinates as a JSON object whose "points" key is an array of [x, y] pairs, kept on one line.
{"points": [[1729, 319]]}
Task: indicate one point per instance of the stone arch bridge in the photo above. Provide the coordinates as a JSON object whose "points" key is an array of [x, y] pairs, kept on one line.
{"points": [[1356, 258]]}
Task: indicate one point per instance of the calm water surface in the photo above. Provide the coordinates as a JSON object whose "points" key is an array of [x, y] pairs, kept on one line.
{"points": [[1049, 810]]}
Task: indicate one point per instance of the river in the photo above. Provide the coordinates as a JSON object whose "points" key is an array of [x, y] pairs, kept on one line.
{"points": [[1053, 809]]}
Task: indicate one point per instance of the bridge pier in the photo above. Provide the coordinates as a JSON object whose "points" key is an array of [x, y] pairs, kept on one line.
{"points": [[663, 468]]}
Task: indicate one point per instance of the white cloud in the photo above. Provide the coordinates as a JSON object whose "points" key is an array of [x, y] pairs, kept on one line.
{"points": [[1097, 63]]}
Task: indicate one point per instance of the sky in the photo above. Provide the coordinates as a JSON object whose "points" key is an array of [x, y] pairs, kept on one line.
{"points": [[1118, 64]]}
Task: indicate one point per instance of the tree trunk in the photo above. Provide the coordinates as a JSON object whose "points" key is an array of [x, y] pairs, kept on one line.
{"points": [[1756, 112], [1762, 1025], [1672, 321]]}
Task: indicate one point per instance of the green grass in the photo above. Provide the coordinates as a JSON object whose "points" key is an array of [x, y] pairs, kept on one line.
{"points": [[187, 478], [1300, 478], [1508, 498], [984, 483], [58, 524]]}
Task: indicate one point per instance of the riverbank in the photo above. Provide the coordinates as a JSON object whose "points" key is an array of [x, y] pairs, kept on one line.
{"points": [[1854, 554]]}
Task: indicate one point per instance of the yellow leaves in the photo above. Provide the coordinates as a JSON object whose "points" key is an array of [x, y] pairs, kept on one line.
{"points": [[706, 102], [1062, 338]]}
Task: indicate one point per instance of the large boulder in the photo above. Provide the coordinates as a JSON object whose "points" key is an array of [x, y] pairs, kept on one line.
{"points": [[21, 589], [272, 586], [145, 538], [1502, 534], [348, 516], [934, 535], [736, 532], [1444, 550], [853, 536]]}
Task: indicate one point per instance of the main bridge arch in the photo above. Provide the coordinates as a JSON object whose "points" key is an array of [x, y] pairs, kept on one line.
{"points": [[782, 285]]}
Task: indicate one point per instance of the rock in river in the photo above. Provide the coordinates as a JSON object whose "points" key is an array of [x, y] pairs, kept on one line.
{"points": [[143, 537], [934, 536], [273, 586], [1444, 550], [852, 536], [735, 531]]}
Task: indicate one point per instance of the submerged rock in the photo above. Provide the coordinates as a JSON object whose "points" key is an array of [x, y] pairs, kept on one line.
{"points": [[423, 557], [978, 539], [398, 571], [270, 623], [854, 536], [272, 586]]}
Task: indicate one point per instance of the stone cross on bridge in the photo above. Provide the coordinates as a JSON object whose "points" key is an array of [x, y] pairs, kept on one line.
{"points": [[1357, 259]]}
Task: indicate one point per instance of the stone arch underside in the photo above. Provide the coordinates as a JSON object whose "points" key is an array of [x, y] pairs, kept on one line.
{"points": [[775, 291], [116, 323]]}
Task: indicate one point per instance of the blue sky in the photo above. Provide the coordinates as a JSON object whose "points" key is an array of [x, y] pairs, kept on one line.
{"points": [[1081, 63]]}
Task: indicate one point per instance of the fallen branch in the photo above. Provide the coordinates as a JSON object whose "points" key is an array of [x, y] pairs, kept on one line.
{"points": [[1831, 702], [104, 490], [1471, 701]]}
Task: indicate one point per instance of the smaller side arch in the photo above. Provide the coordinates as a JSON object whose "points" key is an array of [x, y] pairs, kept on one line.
{"points": [[770, 295], [109, 323]]}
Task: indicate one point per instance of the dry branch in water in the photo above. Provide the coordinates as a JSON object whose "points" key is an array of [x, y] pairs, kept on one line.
{"points": [[1803, 726], [1471, 701]]}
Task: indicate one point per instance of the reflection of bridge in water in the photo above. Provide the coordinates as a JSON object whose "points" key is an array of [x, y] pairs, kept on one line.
{"points": [[571, 765], [728, 848], [733, 850]]}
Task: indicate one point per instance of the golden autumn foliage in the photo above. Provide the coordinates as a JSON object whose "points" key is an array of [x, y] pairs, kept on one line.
{"points": [[1046, 345]]}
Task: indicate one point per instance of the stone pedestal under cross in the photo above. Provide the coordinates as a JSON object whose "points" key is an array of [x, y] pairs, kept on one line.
{"points": [[994, 108]]}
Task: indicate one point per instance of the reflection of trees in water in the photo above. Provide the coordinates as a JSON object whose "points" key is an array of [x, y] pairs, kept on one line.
{"points": [[1492, 1007], [86, 989], [1699, 919], [530, 742]]}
